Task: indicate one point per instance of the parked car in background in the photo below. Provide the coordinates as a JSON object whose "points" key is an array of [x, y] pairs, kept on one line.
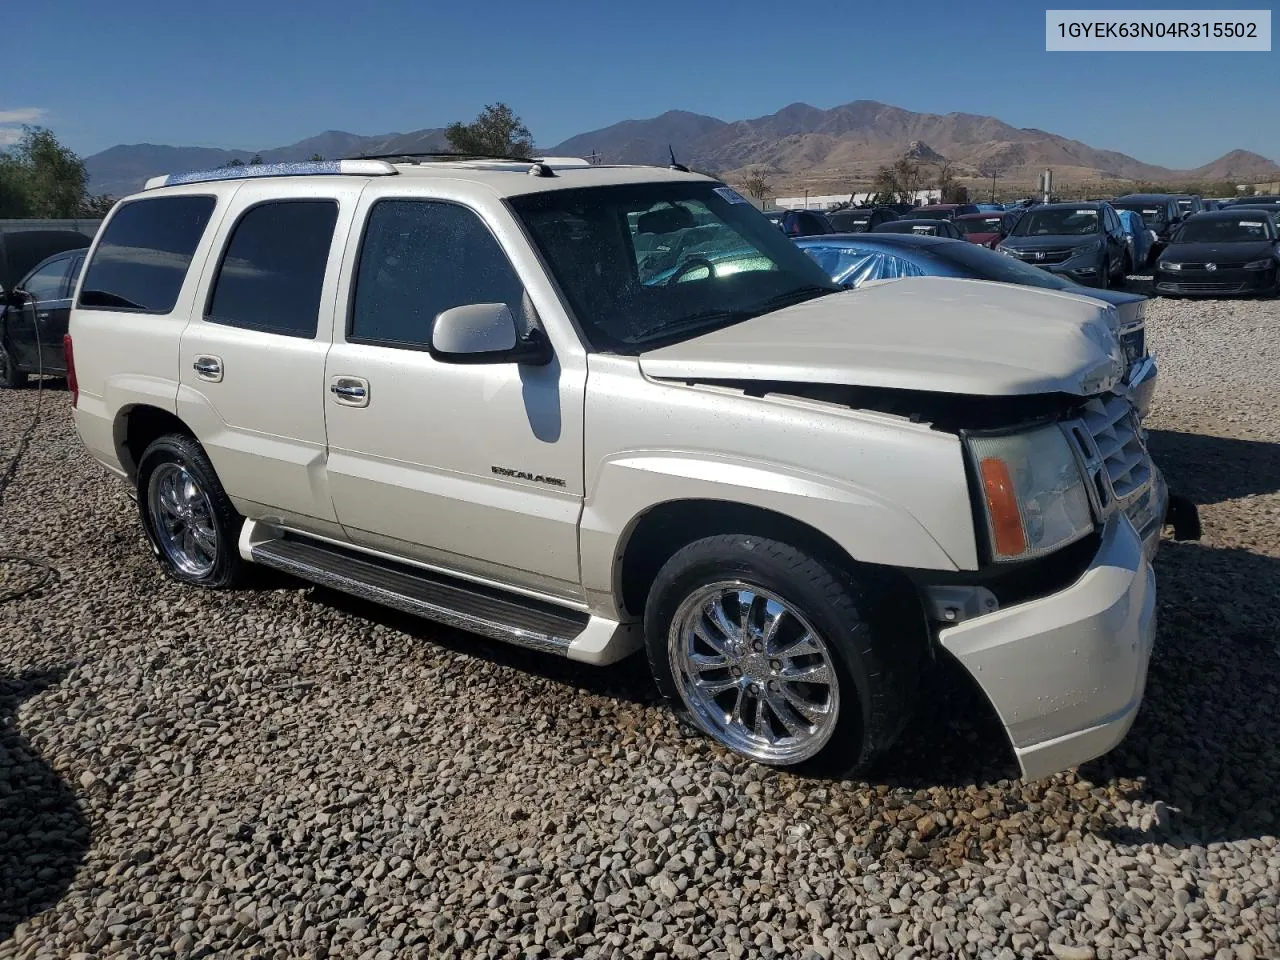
{"points": [[1084, 241], [1232, 251], [800, 223], [928, 228], [1160, 212], [944, 211], [1189, 204], [860, 219], [986, 229], [35, 301], [1264, 202], [989, 207], [1138, 236], [854, 260]]}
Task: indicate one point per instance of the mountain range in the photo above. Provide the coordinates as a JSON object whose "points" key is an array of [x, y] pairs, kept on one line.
{"points": [[797, 144]]}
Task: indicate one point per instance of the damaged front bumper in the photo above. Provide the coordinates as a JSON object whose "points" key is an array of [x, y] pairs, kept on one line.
{"points": [[1066, 672]]}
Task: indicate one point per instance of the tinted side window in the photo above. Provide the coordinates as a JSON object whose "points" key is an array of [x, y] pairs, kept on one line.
{"points": [[49, 282], [143, 257], [273, 268], [420, 258]]}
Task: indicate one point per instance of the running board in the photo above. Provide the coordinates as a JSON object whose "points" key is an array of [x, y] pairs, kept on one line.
{"points": [[456, 603]]}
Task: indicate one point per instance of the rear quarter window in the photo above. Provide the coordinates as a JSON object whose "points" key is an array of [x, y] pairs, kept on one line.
{"points": [[142, 259]]}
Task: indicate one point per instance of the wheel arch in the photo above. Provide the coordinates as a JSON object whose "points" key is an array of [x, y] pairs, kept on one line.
{"points": [[137, 426]]}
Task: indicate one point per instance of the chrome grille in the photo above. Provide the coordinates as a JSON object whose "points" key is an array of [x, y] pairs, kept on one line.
{"points": [[1117, 439], [1045, 255]]}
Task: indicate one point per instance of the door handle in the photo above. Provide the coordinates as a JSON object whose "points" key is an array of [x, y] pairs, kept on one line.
{"points": [[208, 368], [350, 391]]}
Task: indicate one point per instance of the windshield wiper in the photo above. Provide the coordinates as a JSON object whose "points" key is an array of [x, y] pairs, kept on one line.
{"points": [[798, 295]]}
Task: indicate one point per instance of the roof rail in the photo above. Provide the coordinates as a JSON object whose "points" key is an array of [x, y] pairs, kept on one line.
{"points": [[441, 155], [304, 168]]}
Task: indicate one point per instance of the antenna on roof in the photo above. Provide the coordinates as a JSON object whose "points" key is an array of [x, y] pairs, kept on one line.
{"points": [[676, 166]]}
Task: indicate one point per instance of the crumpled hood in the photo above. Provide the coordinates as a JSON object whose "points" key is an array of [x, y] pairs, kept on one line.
{"points": [[935, 334]]}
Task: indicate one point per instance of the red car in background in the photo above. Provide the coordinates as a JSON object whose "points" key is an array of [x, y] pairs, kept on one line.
{"points": [[986, 229]]}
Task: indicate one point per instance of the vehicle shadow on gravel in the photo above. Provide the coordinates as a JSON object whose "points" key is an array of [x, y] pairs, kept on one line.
{"points": [[44, 834], [628, 680], [1213, 469], [1207, 740]]}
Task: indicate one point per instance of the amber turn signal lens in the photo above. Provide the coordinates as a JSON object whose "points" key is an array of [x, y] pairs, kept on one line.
{"points": [[1002, 506]]}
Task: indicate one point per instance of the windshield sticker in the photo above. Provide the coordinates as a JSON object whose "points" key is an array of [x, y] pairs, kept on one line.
{"points": [[1086, 213], [1150, 211], [1250, 223], [733, 196]]}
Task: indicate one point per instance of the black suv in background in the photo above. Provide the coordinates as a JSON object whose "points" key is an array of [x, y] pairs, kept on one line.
{"points": [[800, 223], [1082, 241]]}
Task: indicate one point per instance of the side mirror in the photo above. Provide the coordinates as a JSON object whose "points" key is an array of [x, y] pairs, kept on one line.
{"points": [[485, 333]]}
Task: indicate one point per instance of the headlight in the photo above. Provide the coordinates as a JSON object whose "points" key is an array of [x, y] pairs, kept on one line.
{"points": [[1086, 248], [1034, 495], [1008, 251], [1258, 264], [1170, 265]]}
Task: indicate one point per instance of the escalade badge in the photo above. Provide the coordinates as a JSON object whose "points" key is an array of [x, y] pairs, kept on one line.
{"points": [[525, 475], [1211, 267]]}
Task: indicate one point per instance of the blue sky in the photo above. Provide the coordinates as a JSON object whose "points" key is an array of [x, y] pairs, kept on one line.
{"points": [[256, 76]]}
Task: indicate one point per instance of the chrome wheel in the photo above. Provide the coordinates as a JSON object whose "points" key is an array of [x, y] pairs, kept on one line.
{"points": [[754, 672], [182, 518]]}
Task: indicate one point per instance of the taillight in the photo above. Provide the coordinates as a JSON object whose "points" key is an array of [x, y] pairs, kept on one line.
{"points": [[73, 386]]}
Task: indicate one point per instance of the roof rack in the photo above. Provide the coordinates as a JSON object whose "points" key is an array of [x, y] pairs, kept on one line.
{"points": [[441, 155], [305, 168]]}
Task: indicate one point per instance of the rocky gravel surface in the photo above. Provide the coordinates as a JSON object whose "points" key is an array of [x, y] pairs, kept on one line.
{"points": [[282, 772]]}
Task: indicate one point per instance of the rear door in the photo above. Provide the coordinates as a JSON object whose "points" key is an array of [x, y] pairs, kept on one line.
{"points": [[251, 362]]}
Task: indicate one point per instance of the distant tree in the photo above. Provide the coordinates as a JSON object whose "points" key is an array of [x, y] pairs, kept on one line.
{"points": [[236, 162], [256, 160], [497, 131], [39, 177], [758, 183], [949, 188], [97, 207], [899, 182], [316, 156]]}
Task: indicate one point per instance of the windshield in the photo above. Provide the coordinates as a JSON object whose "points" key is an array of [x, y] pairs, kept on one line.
{"points": [[979, 225], [986, 264], [850, 222], [1062, 222], [1150, 212], [1185, 203], [918, 214], [649, 264], [1220, 230]]}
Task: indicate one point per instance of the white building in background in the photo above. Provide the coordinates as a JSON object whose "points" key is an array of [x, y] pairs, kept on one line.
{"points": [[830, 200]]}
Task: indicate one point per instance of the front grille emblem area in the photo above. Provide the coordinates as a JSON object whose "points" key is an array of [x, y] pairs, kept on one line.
{"points": [[1039, 254], [1211, 267]]}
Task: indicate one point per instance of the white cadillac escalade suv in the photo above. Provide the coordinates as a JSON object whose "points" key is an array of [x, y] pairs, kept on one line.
{"points": [[595, 409]]}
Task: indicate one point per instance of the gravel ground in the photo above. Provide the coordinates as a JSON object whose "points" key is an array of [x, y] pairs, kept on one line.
{"points": [[282, 772]]}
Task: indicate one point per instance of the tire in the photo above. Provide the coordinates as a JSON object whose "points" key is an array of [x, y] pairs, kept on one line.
{"points": [[195, 536], [11, 377], [852, 719]]}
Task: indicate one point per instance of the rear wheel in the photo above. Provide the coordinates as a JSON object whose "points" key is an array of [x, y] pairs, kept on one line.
{"points": [[192, 526], [774, 655], [10, 376]]}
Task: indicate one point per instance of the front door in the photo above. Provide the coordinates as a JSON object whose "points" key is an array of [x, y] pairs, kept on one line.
{"points": [[36, 329], [475, 468]]}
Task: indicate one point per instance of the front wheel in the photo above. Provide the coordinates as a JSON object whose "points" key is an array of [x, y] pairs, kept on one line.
{"points": [[774, 655], [188, 518]]}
